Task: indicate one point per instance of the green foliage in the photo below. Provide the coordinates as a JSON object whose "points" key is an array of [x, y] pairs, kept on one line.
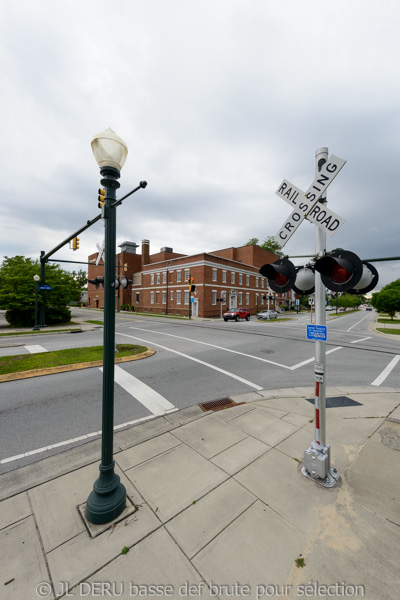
{"points": [[81, 278], [268, 244], [347, 301], [128, 307], [388, 299], [17, 291]]}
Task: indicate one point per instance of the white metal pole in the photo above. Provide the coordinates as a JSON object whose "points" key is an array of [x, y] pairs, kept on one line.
{"points": [[321, 157]]}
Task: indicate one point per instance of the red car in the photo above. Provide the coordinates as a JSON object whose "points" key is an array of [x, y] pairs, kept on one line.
{"points": [[234, 314]]}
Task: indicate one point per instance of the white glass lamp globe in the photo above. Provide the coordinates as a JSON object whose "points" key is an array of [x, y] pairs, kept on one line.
{"points": [[109, 150]]}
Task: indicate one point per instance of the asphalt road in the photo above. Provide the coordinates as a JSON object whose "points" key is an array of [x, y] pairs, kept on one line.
{"points": [[194, 362]]}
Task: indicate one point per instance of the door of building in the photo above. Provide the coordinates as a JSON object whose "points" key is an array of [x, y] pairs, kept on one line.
{"points": [[195, 307]]}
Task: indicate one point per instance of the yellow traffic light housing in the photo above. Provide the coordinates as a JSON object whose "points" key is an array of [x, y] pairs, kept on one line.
{"points": [[102, 197], [75, 243]]}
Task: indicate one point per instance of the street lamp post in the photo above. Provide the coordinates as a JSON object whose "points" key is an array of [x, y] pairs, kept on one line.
{"points": [[36, 278], [107, 500]]}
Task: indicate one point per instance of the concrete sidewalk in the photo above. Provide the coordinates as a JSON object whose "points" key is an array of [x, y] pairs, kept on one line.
{"points": [[217, 507]]}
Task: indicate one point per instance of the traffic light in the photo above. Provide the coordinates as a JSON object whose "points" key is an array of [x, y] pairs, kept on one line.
{"points": [[341, 270], [102, 197], [190, 282], [97, 282], [125, 282], [305, 280], [281, 275], [75, 243], [368, 281]]}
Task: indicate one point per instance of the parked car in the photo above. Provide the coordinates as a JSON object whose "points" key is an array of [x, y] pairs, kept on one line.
{"points": [[267, 314], [369, 308], [234, 314], [329, 308]]}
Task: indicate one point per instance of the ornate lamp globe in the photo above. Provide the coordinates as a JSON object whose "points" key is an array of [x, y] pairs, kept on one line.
{"points": [[109, 149]]}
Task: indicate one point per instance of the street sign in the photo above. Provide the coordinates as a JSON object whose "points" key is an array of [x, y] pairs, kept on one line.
{"points": [[305, 202], [325, 219], [317, 332], [45, 287]]}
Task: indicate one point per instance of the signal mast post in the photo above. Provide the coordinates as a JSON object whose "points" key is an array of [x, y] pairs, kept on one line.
{"points": [[317, 456]]}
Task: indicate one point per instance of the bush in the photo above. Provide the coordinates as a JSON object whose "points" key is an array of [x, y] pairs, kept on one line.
{"points": [[57, 315], [21, 318], [128, 307]]}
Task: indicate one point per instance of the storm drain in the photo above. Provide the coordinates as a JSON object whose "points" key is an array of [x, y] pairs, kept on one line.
{"points": [[219, 404], [337, 402]]}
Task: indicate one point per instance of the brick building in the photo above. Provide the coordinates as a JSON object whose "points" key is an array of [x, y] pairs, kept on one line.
{"points": [[223, 279]]}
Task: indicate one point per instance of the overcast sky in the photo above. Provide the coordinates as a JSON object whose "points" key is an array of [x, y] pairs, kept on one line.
{"points": [[218, 101]]}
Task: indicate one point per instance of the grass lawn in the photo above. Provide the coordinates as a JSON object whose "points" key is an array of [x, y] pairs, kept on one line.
{"points": [[390, 321], [71, 356], [389, 331]]}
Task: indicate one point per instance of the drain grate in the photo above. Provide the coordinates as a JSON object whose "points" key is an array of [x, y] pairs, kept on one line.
{"points": [[219, 404], [337, 402]]}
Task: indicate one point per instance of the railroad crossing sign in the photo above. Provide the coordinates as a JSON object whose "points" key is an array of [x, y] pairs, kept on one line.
{"points": [[306, 203]]}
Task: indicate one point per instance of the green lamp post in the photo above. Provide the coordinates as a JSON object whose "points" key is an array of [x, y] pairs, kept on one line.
{"points": [[107, 500], [36, 327]]}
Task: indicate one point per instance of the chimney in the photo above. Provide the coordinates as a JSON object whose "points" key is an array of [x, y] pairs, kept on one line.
{"points": [[145, 252]]}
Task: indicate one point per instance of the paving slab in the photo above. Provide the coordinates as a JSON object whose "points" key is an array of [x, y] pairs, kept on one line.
{"points": [[209, 436], [258, 548], [357, 548], [264, 427], [80, 557], [295, 405], [230, 413], [378, 405], [276, 479], [374, 476], [55, 504], [138, 434], [275, 412], [14, 509], [239, 456], [155, 561], [195, 527], [22, 563], [174, 480], [142, 452]]}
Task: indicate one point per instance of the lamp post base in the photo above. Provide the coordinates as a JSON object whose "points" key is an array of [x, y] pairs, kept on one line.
{"points": [[107, 500]]}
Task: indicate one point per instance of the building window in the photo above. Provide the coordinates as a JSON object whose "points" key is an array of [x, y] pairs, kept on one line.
{"points": [[247, 279], [178, 276], [186, 297], [214, 275], [257, 278], [164, 277], [240, 279], [164, 297], [247, 299], [137, 297], [171, 297], [158, 278], [262, 282], [240, 298], [233, 277], [152, 278], [151, 297], [223, 296], [223, 276], [187, 274], [179, 297], [214, 297]]}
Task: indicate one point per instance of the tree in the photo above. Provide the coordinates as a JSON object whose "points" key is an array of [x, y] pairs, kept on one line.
{"points": [[388, 299], [81, 278], [17, 291], [268, 244]]}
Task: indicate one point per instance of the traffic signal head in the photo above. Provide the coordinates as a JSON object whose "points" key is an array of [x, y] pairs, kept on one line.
{"points": [[75, 243], [125, 282], [102, 197], [97, 282], [368, 281], [281, 275], [340, 271], [305, 280]]}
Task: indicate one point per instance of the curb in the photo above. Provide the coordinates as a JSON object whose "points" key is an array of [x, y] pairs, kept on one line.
{"points": [[76, 367]]}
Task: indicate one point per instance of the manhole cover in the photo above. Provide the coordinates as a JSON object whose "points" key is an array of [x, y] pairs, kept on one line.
{"points": [[337, 402], [219, 404]]}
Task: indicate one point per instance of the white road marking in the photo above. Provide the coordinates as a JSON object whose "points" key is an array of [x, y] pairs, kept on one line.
{"points": [[201, 362], [152, 400], [271, 362], [72, 441], [362, 340], [381, 378], [305, 362], [350, 328], [35, 348]]}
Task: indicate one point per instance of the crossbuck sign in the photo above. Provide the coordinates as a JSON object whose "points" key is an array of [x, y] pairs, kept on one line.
{"points": [[306, 203]]}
